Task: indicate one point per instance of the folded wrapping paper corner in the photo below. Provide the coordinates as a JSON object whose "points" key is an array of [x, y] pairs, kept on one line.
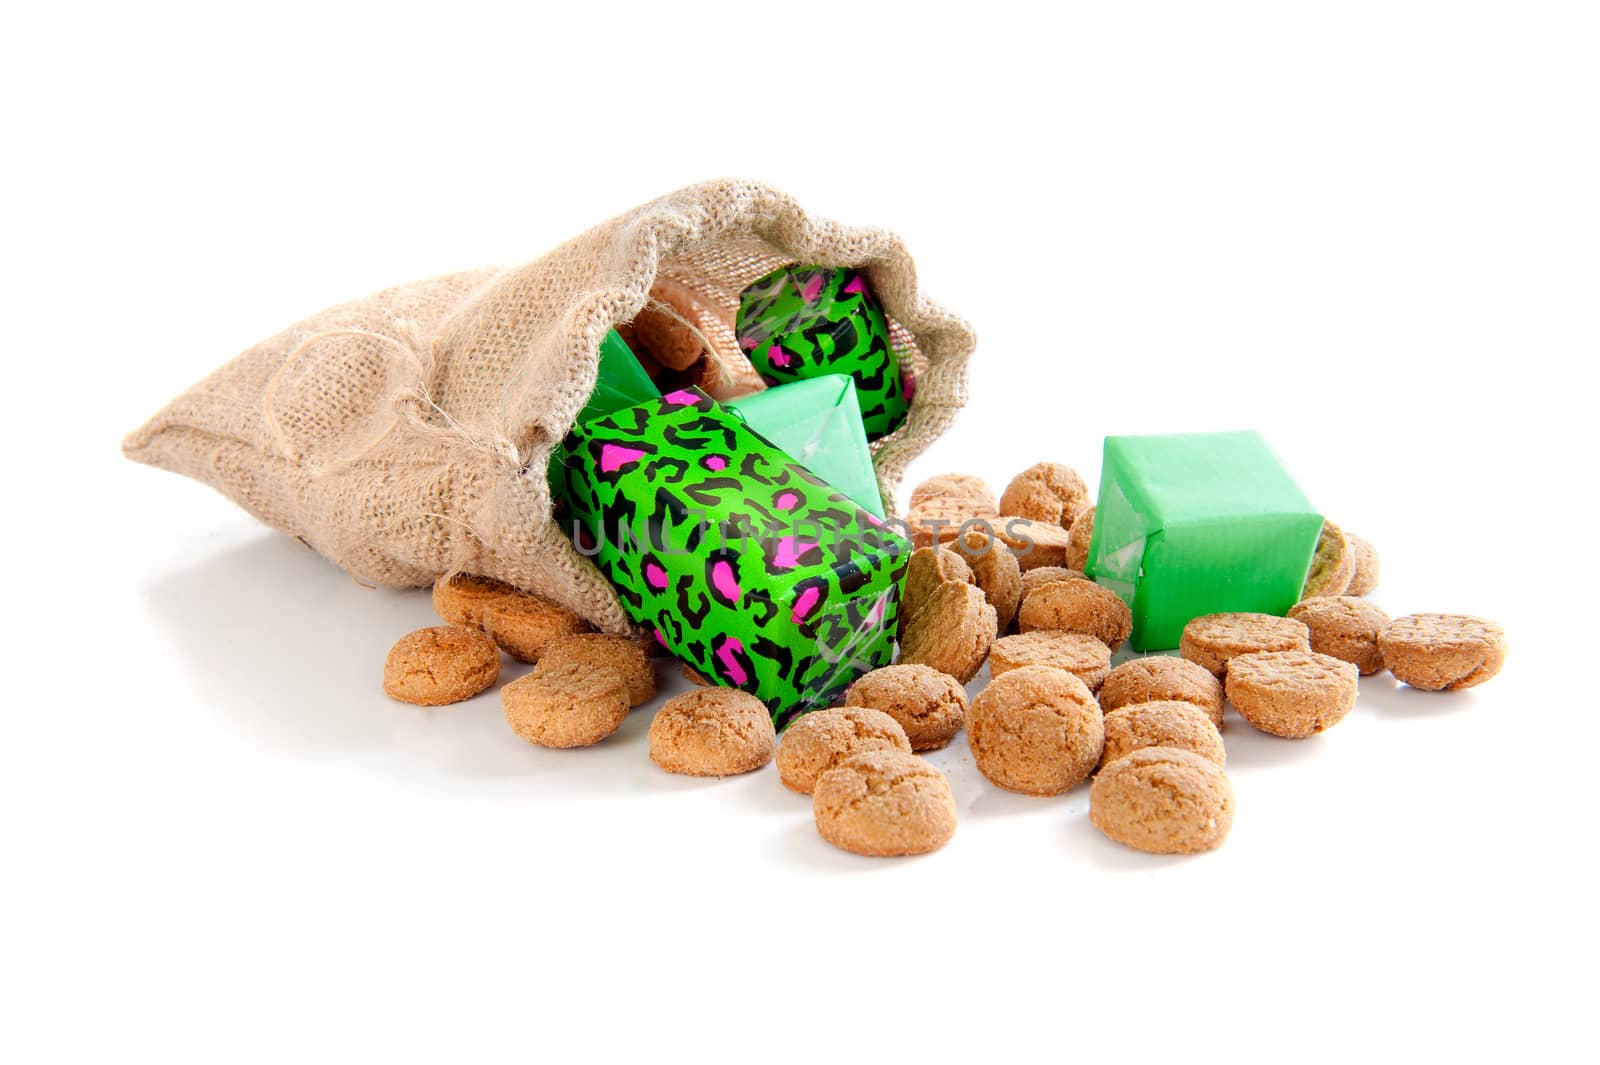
{"points": [[744, 563], [817, 422], [1198, 523]]}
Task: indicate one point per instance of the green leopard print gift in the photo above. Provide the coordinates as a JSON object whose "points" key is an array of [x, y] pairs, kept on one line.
{"points": [[745, 564], [803, 321]]}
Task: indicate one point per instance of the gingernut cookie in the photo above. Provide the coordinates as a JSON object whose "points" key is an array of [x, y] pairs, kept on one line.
{"points": [[929, 706], [523, 624], [712, 732], [1164, 724], [884, 804], [1039, 576], [1435, 652], [1293, 694], [1212, 639], [1046, 492], [1078, 540], [995, 570], [1365, 578], [571, 704], [1035, 544], [1163, 801], [1078, 606], [1344, 627], [951, 632], [941, 505], [1076, 652], [441, 665], [693, 676], [599, 651], [928, 568], [965, 487], [820, 740], [1332, 566], [461, 597], [1162, 678], [1036, 730]]}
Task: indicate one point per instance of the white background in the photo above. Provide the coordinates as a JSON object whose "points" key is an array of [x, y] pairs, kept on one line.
{"points": [[1368, 230]]}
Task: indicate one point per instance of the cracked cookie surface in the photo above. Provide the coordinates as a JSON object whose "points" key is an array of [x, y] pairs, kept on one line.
{"points": [[1036, 730], [951, 632], [1435, 652], [1078, 606], [1345, 627], [1211, 640], [820, 740], [1078, 653], [930, 706], [567, 704], [1163, 801], [712, 732], [440, 665], [884, 804], [601, 651], [1294, 693], [1162, 724], [1159, 678], [1047, 492]]}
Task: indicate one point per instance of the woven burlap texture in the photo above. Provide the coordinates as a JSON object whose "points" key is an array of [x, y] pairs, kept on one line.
{"points": [[406, 435]]}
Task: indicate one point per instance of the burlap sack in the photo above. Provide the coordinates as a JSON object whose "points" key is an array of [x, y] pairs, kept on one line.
{"points": [[406, 435]]}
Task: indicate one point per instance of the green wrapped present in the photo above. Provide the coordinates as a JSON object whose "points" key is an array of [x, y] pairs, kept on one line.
{"points": [[818, 424], [746, 565], [1198, 523], [806, 321]]}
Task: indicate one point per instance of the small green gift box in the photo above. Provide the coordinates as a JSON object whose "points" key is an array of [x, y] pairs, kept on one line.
{"points": [[745, 564], [1198, 523]]}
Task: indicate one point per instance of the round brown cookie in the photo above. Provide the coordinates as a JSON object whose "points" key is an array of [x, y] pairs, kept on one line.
{"points": [[951, 632], [1078, 606], [1294, 693], [1434, 652], [461, 597], [942, 504], [884, 803], [1332, 565], [441, 665], [995, 570], [930, 567], [1034, 579], [1046, 492], [1365, 578], [820, 740], [929, 705], [712, 732], [1080, 654], [1345, 627], [1164, 724], [1078, 540], [599, 651], [1036, 730], [523, 624], [571, 704], [1164, 801], [1162, 678], [1034, 543], [1212, 639], [965, 487], [692, 675]]}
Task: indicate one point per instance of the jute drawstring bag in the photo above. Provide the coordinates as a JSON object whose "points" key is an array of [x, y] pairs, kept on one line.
{"points": [[405, 436]]}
